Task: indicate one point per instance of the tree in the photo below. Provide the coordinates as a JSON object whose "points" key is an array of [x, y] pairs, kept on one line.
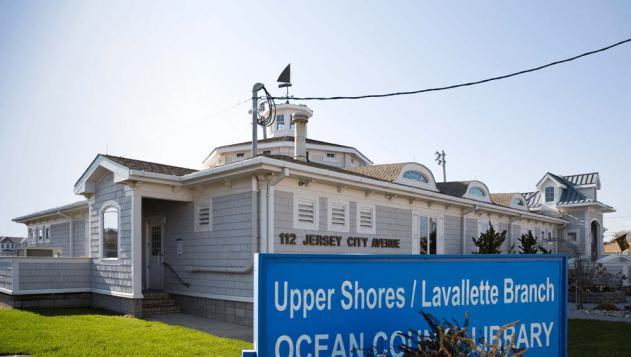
{"points": [[490, 241], [529, 244]]}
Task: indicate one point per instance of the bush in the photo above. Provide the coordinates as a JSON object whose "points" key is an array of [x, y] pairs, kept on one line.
{"points": [[529, 244], [449, 339], [490, 241]]}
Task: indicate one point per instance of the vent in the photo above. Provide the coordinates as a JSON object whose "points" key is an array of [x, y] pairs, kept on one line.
{"points": [[204, 216], [338, 215], [306, 211], [366, 218]]}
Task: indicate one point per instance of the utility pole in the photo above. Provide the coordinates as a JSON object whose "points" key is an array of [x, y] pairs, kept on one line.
{"points": [[255, 122], [440, 159]]}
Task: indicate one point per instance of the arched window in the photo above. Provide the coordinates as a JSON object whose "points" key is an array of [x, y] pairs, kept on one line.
{"points": [[415, 176], [476, 191], [110, 232], [518, 202]]}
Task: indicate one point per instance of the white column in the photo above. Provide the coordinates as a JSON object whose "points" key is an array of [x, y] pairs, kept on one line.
{"points": [[136, 244]]}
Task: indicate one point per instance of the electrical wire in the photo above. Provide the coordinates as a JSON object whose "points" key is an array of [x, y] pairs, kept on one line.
{"points": [[267, 106], [383, 95]]}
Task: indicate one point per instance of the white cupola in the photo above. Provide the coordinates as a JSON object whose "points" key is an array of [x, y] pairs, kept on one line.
{"points": [[283, 125]]}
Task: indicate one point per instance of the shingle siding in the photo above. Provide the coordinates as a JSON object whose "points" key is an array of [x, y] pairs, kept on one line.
{"points": [[79, 246], [228, 244], [453, 235], [42, 276], [111, 275], [390, 223]]}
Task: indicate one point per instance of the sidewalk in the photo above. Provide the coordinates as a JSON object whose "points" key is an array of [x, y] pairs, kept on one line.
{"points": [[213, 327]]}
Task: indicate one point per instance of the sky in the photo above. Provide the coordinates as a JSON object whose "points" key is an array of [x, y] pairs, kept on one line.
{"points": [[162, 81]]}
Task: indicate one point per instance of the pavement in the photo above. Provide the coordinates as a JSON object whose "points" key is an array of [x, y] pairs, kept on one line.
{"points": [[588, 313], [203, 324]]}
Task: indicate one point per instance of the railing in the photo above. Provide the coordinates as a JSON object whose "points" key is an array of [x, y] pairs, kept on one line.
{"points": [[176, 275], [37, 275]]}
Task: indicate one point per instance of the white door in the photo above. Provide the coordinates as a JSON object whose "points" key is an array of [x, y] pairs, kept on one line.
{"points": [[154, 260]]}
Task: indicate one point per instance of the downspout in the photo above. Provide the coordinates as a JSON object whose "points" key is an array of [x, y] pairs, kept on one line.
{"points": [[69, 218]]}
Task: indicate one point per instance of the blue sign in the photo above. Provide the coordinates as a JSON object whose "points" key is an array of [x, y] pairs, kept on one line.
{"points": [[365, 305]]}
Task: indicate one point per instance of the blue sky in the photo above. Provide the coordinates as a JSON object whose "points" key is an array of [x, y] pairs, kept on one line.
{"points": [[151, 80]]}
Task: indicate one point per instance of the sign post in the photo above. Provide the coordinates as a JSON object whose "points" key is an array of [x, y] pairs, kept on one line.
{"points": [[364, 305]]}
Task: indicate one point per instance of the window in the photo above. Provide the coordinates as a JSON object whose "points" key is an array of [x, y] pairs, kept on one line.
{"points": [[571, 236], [47, 234], [267, 152], [40, 235], [34, 235], [549, 194], [549, 235], [110, 232], [330, 156], [338, 216], [203, 216], [240, 155], [428, 229], [280, 121], [518, 202], [366, 219], [476, 191], [415, 176], [306, 213]]}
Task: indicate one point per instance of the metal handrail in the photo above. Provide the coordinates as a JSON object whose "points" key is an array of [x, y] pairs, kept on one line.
{"points": [[176, 274]]}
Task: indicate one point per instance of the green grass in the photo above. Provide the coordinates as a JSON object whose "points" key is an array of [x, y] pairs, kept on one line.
{"points": [[97, 333], [599, 338]]}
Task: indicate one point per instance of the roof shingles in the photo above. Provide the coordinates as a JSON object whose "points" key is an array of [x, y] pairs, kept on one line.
{"points": [[150, 166]]}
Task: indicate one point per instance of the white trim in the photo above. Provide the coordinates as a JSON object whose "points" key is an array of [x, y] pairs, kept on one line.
{"points": [[358, 227], [575, 231], [306, 198], [340, 203], [136, 244]]}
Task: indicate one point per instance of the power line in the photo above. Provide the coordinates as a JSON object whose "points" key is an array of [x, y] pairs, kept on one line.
{"points": [[383, 95]]}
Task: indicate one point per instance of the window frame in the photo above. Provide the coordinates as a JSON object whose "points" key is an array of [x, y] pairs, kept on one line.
{"points": [[337, 228], [567, 236], [545, 194], [326, 157], [424, 178], [199, 205], [278, 125], [40, 235], [47, 234], [315, 225], [358, 227], [104, 207], [476, 188]]}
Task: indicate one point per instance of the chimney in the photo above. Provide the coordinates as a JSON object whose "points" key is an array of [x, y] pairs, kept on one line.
{"points": [[299, 119]]}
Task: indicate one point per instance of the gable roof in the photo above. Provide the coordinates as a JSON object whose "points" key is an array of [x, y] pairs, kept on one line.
{"points": [[15, 240], [149, 166]]}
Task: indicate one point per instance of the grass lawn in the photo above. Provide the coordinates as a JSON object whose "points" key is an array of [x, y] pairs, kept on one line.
{"points": [[599, 338], [97, 333]]}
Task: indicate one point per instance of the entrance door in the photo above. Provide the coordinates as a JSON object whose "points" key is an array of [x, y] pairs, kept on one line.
{"points": [[155, 240]]}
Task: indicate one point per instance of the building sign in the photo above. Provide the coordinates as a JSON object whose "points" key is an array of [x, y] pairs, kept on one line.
{"points": [[359, 305], [338, 241]]}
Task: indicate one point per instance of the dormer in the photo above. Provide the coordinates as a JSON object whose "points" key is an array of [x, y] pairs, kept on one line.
{"points": [[477, 190], [551, 188]]}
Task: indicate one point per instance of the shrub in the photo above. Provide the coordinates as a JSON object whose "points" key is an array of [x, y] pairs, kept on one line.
{"points": [[490, 241], [529, 244], [449, 339]]}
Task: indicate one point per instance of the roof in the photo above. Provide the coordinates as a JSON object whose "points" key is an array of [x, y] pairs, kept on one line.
{"points": [[453, 188], [583, 179], [532, 198], [49, 211], [284, 138], [16, 240], [385, 172], [504, 199], [148, 166]]}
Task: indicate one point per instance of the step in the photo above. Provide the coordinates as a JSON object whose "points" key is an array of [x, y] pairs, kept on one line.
{"points": [[160, 310], [158, 302]]}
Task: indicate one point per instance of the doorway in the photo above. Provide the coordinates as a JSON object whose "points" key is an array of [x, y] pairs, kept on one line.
{"points": [[154, 243], [595, 234]]}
